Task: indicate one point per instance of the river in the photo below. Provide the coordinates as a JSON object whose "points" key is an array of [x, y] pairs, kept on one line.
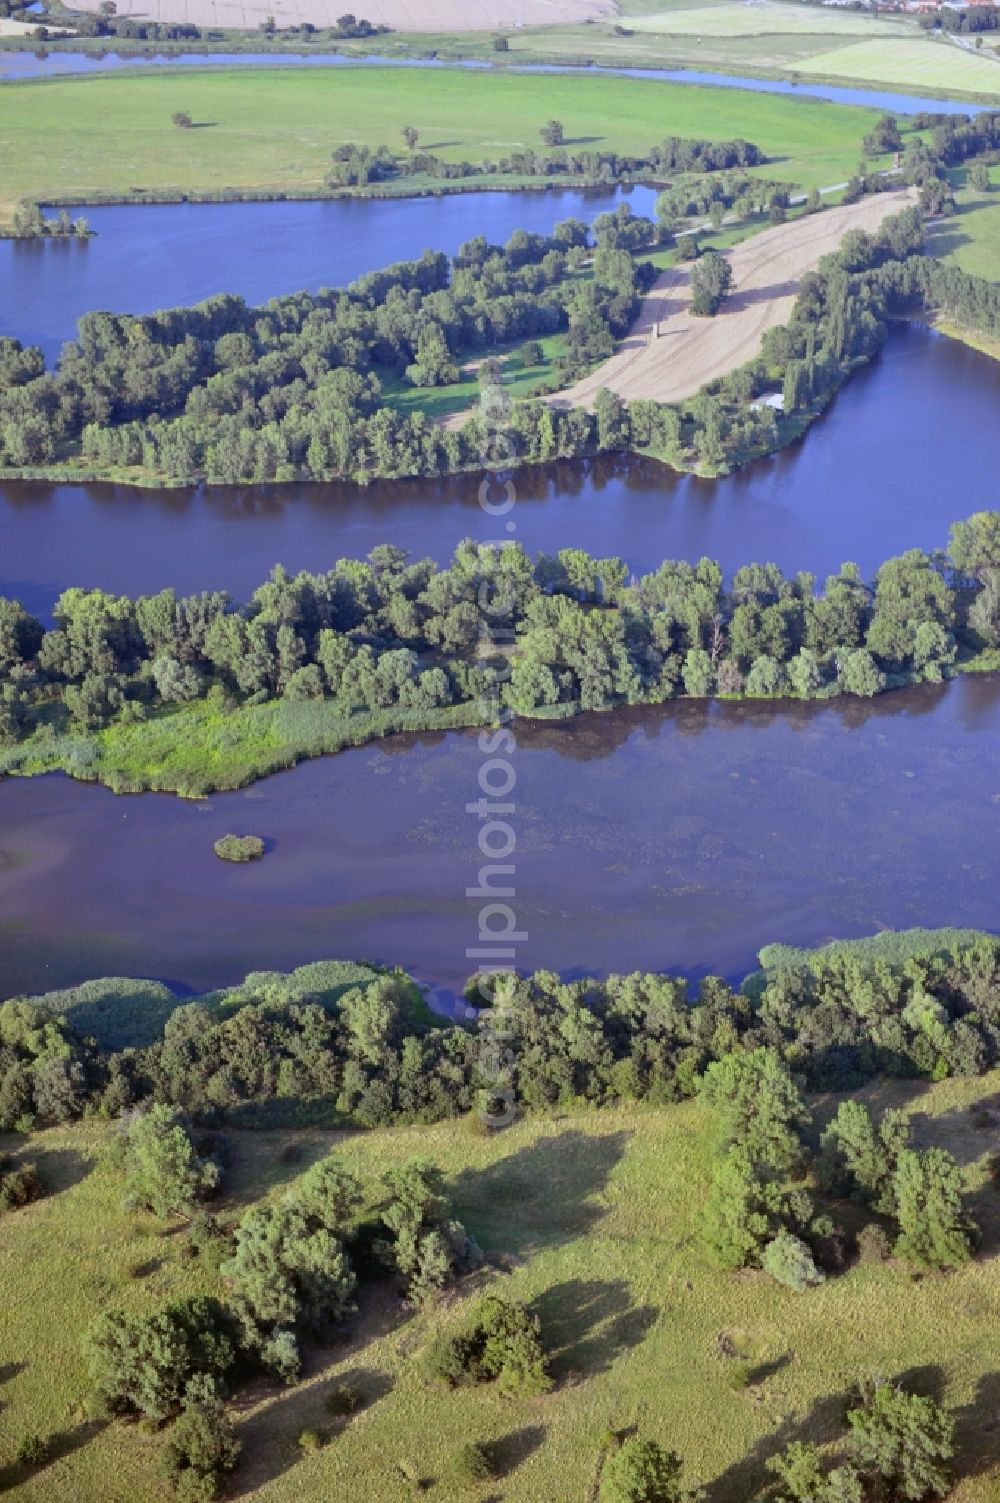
{"points": [[680, 837], [55, 62], [171, 255], [876, 474]]}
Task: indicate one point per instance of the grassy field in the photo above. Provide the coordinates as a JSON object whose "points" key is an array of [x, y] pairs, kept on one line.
{"points": [[203, 747], [276, 129], [594, 1217], [926, 64], [971, 238], [771, 38], [736, 20], [520, 380]]}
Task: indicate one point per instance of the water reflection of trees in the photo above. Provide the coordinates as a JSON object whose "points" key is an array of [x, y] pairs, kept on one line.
{"points": [[970, 704], [590, 737]]}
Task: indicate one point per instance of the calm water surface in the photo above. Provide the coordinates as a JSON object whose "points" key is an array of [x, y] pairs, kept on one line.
{"points": [[167, 255], [683, 837], [18, 64], [911, 444], [680, 837]]}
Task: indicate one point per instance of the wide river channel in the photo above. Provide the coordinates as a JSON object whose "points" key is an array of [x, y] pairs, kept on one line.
{"points": [[682, 837]]}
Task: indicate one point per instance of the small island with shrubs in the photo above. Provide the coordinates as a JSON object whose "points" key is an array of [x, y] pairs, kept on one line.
{"points": [[239, 848]]}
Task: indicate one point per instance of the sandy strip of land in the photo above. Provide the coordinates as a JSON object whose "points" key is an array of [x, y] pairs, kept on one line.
{"points": [[688, 351], [400, 15]]}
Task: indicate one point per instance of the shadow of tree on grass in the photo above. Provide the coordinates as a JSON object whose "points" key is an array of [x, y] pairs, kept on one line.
{"points": [[270, 1434], [587, 1324], [540, 1195]]}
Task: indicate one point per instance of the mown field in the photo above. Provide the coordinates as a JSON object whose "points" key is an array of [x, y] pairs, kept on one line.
{"points": [[276, 129], [925, 64], [593, 1218], [765, 16]]}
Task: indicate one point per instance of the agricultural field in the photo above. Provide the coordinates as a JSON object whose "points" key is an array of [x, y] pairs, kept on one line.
{"points": [[275, 130], [689, 351], [927, 65], [590, 1217], [766, 16]]}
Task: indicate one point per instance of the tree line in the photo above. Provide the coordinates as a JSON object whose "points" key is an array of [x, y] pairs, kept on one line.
{"points": [[673, 154], [388, 632], [105, 22], [374, 1055]]}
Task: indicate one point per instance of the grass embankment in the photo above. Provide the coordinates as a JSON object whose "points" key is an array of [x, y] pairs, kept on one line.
{"points": [[596, 1216], [199, 748], [274, 130]]}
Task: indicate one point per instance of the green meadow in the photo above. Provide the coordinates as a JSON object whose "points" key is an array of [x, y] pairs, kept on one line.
{"points": [[592, 1217], [274, 130]]}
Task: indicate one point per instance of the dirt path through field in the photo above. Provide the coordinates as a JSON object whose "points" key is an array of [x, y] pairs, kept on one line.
{"points": [[689, 351]]}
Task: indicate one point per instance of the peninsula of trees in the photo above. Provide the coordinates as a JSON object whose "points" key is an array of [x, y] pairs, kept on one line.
{"points": [[301, 387], [192, 694], [306, 386]]}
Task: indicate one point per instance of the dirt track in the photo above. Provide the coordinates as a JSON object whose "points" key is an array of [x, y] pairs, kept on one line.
{"points": [[690, 351], [401, 15]]}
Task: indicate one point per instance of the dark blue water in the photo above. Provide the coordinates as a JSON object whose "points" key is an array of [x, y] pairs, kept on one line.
{"points": [[14, 65], [683, 838], [167, 255], [889, 466]]}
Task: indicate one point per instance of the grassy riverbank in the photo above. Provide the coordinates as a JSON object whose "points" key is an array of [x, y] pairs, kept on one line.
{"points": [[594, 1216], [274, 130], [971, 236], [807, 43], [199, 749], [804, 43]]}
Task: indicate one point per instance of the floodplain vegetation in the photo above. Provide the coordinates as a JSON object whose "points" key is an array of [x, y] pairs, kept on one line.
{"points": [[267, 1243], [190, 695], [313, 386]]}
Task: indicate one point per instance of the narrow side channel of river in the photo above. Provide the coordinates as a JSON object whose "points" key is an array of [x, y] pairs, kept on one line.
{"points": [[52, 62], [910, 445]]}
